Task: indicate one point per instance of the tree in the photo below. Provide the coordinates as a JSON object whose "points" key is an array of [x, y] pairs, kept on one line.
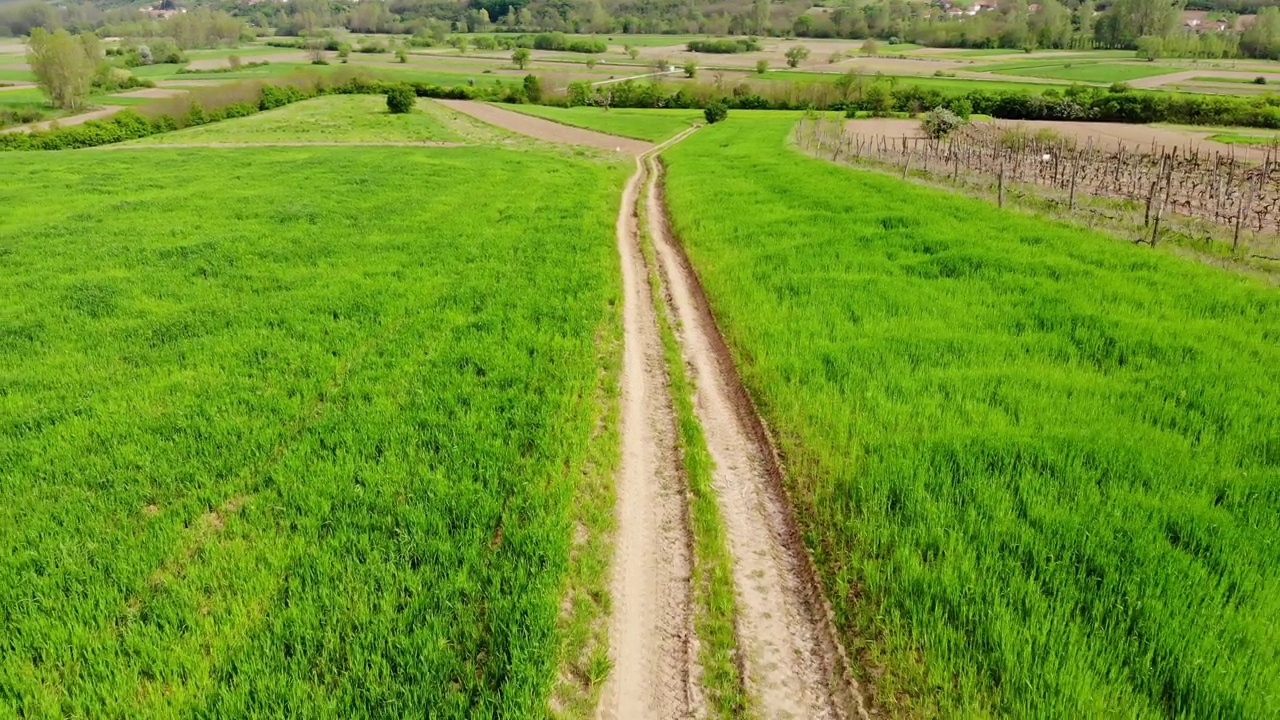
{"points": [[402, 56], [62, 65], [533, 88], [591, 63], [940, 122], [762, 66], [690, 68], [234, 62], [870, 47], [520, 57], [715, 111], [1262, 38], [1150, 47], [633, 51], [761, 17], [796, 55], [400, 99], [835, 57]]}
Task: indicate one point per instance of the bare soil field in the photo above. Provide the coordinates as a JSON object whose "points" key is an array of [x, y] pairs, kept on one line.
{"points": [[1107, 135], [547, 130], [217, 63], [1188, 77], [154, 93]]}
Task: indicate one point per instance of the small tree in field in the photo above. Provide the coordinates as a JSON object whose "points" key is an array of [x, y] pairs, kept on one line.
{"points": [[715, 112], [870, 47], [940, 122], [633, 51], [520, 57], [762, 66], [834, 58], [234, 62], [690, 68], [591, 63], [402, 56], [400, 99], [533, 88], [63, 66], [796, 55]]}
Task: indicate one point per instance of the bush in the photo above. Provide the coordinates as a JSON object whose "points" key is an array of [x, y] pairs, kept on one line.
{"points": [[532, 88], [762, 66], [400, 99], [715, 112], [940, 122], [723, 47], [1260, 80]]}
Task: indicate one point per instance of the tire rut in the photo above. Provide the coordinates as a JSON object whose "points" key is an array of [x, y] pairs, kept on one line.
{"points": [[795, 666], [651, 639]]}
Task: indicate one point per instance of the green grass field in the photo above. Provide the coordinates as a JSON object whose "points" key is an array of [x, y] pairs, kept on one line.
{"points": [[1245, 139], [1038, 467], [298, 431], [642, 124], [1080, 70], [944, 84], [337, 118]]}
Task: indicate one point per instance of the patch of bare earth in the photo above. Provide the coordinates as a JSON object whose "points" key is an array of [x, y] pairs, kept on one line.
{"points": [[545, 129], [795, 666], [651, 630]]}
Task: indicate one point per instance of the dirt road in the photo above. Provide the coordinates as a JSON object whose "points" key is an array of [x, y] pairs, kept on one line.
{"points": [[545, 129], [795, 666], [651, 632], [103, 112]]}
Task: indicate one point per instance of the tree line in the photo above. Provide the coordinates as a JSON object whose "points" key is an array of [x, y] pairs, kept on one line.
{"points": [[1153, 26]]}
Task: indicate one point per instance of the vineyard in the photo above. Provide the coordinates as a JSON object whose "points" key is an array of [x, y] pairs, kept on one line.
{"points": [[1212, 196]]}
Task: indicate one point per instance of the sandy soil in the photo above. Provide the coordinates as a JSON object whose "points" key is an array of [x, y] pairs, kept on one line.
{"points": [[545, 129], [103, 112], [18, 86], [794, 665], [651, 640]]}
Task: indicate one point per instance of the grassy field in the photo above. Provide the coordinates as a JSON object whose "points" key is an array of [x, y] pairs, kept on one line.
{"points": [[1081, 71], [1038, 468], [1245, 139], [297, 431], [642, 124], [953, 85], [338, 118]]}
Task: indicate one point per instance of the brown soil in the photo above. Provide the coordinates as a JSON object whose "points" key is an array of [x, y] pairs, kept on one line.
{"points": [[173, 146], [1185, 78], [651, 635], [795, 666], [217, 63], [545, 129], [1109, 135]]}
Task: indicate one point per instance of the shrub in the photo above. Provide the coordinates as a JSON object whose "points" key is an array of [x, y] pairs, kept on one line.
{"points": [[762, 66], [940, 122], [400, 99], [532, 88], [715, 112], [1119, 87], [796, 55], [690, 68], [402, 56], [723, 47], [1260, 80]]}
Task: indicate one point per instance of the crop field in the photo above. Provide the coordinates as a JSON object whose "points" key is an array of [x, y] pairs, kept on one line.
{"points": [[337, 118], [944, 84], [1038, 468], [1087, 71], [651, 125], [297, 431]]}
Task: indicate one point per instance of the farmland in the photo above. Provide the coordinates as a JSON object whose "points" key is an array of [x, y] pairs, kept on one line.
{"points": [[651, 125], [1036, 468], [286, 431]]}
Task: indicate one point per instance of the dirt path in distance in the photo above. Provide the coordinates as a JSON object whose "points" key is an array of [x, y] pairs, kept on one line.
{"points": [[795, 666], [103, 112], [651, 641], [545, 129]]}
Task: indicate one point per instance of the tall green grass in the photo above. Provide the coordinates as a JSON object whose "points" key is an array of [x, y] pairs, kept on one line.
{"points": [[653, 125], [1039, 469], [296, 432]]}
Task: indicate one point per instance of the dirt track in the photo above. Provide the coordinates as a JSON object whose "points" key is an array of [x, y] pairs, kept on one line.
{"points": [[795, 667], [545, 129], [651, 632], [103, 112], [794, 664]]}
